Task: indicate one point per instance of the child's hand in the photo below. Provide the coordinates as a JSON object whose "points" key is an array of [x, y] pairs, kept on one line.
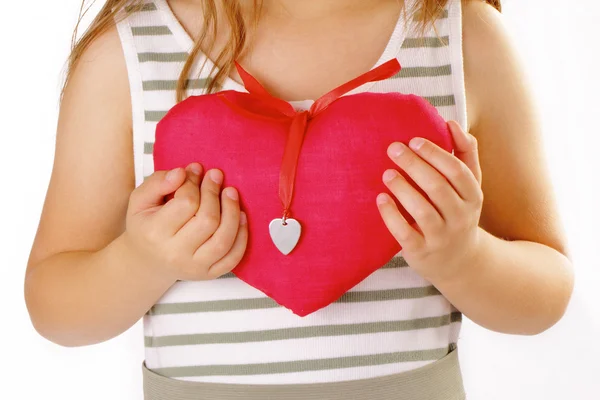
{"points": [[445, 235], [188, 238]]}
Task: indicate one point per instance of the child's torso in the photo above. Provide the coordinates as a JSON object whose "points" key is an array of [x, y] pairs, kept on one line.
{"points": [[225, 330]]}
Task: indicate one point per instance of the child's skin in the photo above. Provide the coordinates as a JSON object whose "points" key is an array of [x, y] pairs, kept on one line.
{"points": [[495, 248]]}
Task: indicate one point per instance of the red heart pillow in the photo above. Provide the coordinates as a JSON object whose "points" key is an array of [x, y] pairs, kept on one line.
{"points": [[338, 155]]}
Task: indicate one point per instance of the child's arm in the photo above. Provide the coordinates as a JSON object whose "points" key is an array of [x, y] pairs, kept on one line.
{"points": [[493, 244], [102, 255], [522, 284]]}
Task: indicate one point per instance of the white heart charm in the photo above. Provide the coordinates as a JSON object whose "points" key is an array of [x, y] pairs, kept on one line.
{"points": [[285, 236]]}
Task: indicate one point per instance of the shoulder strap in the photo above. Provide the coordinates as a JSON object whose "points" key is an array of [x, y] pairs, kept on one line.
{"points": [[154, 58]]}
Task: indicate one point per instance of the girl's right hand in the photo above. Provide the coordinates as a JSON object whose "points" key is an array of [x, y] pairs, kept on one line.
{"points": [[188, 237]]}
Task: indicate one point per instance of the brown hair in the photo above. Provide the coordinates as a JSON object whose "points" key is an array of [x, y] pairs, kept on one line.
{"points": [[427, 11]]}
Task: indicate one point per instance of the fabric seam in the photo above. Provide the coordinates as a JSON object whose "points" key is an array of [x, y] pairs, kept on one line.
{"points": [[458, 77], [136, 94]]}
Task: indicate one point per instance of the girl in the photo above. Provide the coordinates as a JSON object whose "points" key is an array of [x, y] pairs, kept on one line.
{"points": [[109, 250]]}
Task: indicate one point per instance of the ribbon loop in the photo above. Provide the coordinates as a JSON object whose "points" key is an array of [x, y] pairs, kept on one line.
{"points": [[384, 71], [299, 120], [256, 89]]}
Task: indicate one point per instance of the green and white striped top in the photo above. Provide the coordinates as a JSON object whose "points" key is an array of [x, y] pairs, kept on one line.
{"points": [[227, 331]]}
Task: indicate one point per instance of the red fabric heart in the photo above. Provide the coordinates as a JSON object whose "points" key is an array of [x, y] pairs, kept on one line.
{"points": [[338, 176]]}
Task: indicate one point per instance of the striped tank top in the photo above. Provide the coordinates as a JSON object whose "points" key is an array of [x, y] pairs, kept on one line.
{"points": [[226, 331]]}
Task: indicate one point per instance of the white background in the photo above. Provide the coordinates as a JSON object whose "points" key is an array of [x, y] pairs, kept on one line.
{"points": [[560, 46]]}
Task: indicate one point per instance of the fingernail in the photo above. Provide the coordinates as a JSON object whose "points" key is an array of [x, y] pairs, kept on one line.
{"points": [[216, 176], [243, 218], [389, 175], [172, 174], [232, 193], [416, 143], [396, 149], [196, 169], [382, 198]]}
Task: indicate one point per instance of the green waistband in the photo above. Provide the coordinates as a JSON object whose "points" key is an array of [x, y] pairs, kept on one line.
{"points": [[440, 380]]}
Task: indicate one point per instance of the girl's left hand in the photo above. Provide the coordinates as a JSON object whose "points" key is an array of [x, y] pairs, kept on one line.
{"points": [[445, 237]]}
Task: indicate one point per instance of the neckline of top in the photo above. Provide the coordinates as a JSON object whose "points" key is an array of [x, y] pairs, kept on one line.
{"points": [[391, 50]]}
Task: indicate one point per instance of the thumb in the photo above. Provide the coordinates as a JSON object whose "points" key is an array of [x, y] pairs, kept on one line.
{"points": [[152, 191], [466, 149]]}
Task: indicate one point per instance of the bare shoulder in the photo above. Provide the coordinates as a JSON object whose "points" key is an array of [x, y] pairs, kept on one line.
{"points": [[519, 199], [92, 175], [101, 71], [487, 51]]}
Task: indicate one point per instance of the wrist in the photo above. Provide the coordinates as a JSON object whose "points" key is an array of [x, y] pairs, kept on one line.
{"points": [[141, 266], [471, 266]]}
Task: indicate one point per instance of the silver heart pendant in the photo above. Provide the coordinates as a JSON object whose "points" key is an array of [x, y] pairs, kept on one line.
{"points": [[285, 237]]}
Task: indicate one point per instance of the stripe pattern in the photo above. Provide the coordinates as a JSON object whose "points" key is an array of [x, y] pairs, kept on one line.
{"points": [[227, 331], [305, 365]]}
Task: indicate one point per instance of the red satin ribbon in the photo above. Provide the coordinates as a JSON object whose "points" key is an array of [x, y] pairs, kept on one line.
{"points": [[299, 119]]}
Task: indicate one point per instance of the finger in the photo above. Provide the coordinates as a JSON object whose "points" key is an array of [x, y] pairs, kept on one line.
{"points": [[454, 171], [194, 167], [429, 179], [219, 244], [152, 191], [235, 255], [179, 210], [395, 222], [210, 207], [197, 231], [221, 241], [423, 212], [466, 149]]}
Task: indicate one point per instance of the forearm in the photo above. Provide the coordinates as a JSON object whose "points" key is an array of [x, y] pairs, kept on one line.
{"points": [[81, 298], [517, 287]]}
